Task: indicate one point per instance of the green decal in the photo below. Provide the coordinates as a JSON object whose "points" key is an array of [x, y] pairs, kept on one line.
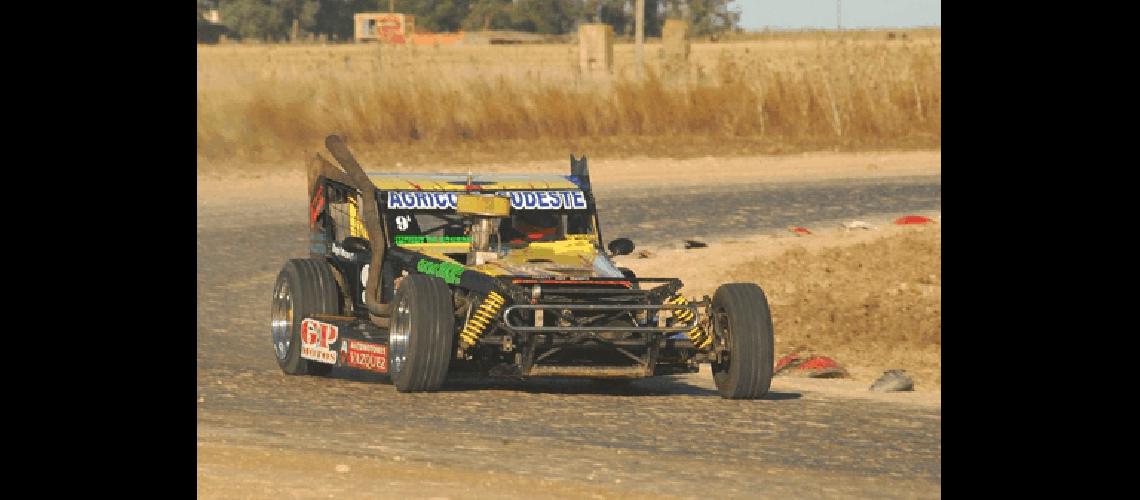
{"points": [[446, 270], [414, 240]]}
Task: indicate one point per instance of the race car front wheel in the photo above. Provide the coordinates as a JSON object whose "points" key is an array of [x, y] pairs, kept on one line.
{"points": [[743, 321], [423, 328], [304, 287]]}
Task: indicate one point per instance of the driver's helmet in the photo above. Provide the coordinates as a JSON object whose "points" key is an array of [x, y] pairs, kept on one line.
{"points": [[535, 225]]}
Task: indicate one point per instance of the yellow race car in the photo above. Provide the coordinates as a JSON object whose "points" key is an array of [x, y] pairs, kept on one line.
{"points": [[416, 275]]}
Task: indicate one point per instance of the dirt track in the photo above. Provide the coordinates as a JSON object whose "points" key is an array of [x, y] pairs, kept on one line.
{"points": [[261, 433]]}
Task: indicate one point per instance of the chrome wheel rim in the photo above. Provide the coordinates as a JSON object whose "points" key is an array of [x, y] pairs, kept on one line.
{"points": [[281, 319], [398, 337]]}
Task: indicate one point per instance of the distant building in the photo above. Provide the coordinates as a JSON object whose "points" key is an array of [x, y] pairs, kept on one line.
{"points": [[383, 27], [212, 16]]}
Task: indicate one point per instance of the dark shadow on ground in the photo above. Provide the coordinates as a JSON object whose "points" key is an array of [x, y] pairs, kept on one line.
{"points": [[653, 386], [359, 376], [666, 385], [656, 386]]}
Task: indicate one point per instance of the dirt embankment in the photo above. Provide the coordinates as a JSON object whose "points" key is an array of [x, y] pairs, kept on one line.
{"points": [[871, 299], [872, 305]]}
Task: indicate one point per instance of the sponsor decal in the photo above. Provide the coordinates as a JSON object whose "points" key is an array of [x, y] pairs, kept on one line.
{"points": [[520, 200], [421, 200], [412, 240], [340, 251], [364, 284], [446, 270], [316, 337], [366, 356], [547, 200], [316, 205], [402, 222]]}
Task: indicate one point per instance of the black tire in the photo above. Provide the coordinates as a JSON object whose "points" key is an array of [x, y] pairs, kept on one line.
{"points": [[744, 318], [422, 316], [307, 287]]}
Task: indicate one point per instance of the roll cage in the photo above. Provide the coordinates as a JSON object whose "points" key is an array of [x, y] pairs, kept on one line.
{"points": [[348, 212]]}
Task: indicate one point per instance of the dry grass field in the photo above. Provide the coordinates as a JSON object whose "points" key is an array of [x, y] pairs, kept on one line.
{"points": [[809, 92]]}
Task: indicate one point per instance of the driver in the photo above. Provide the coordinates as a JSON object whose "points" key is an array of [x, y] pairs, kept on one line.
{"points": [[535, 225]]}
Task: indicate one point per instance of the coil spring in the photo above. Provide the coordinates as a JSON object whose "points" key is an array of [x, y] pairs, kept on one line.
{"points": [[696, 334], [482, 317]]}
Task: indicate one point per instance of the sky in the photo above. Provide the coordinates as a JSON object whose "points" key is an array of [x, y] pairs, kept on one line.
{"points": [[756, 14]]}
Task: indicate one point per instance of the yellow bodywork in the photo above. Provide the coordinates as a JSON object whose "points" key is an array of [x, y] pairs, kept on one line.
{"points": [[483, 205], [355, 222], [458, 182], [573, 256]]}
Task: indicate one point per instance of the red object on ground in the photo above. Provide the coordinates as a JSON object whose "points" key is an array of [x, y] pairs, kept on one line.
{"points": [[818, 363], [912, 219], [812, 366], [785, 361], [800, 230]]}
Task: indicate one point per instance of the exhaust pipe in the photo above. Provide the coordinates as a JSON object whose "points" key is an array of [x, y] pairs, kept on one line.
{"points": [[371, 214]]}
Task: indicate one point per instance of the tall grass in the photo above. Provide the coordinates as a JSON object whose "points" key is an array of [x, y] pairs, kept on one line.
{"points": [[273, 101]]}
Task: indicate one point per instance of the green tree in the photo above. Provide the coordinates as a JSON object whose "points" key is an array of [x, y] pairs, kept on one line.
{"points": [[706, 17], [654, 18], [255, 19], [207, 32], [709, 17], [536, 16], [613, 13], [434, 15], [271, 19], [334, 18], [545, 16], [488, 15], [621, 15]]}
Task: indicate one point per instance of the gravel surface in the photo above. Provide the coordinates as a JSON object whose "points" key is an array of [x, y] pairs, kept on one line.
{"points": [[355, 436]]}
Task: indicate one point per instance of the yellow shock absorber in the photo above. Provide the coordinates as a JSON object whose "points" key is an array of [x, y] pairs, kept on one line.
{"points": [[696, 334], [481, 319]]}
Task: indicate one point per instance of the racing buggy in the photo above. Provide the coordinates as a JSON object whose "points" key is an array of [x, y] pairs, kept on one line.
{"points": [[415, 275]]}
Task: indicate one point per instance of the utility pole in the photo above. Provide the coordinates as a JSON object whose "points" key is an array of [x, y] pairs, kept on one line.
{"points": [[639, 19], [839, 14]]}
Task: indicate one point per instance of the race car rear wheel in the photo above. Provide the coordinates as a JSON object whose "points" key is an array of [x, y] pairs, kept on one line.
{"points": [[304, 287], [743, 320], [423, 328]]}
